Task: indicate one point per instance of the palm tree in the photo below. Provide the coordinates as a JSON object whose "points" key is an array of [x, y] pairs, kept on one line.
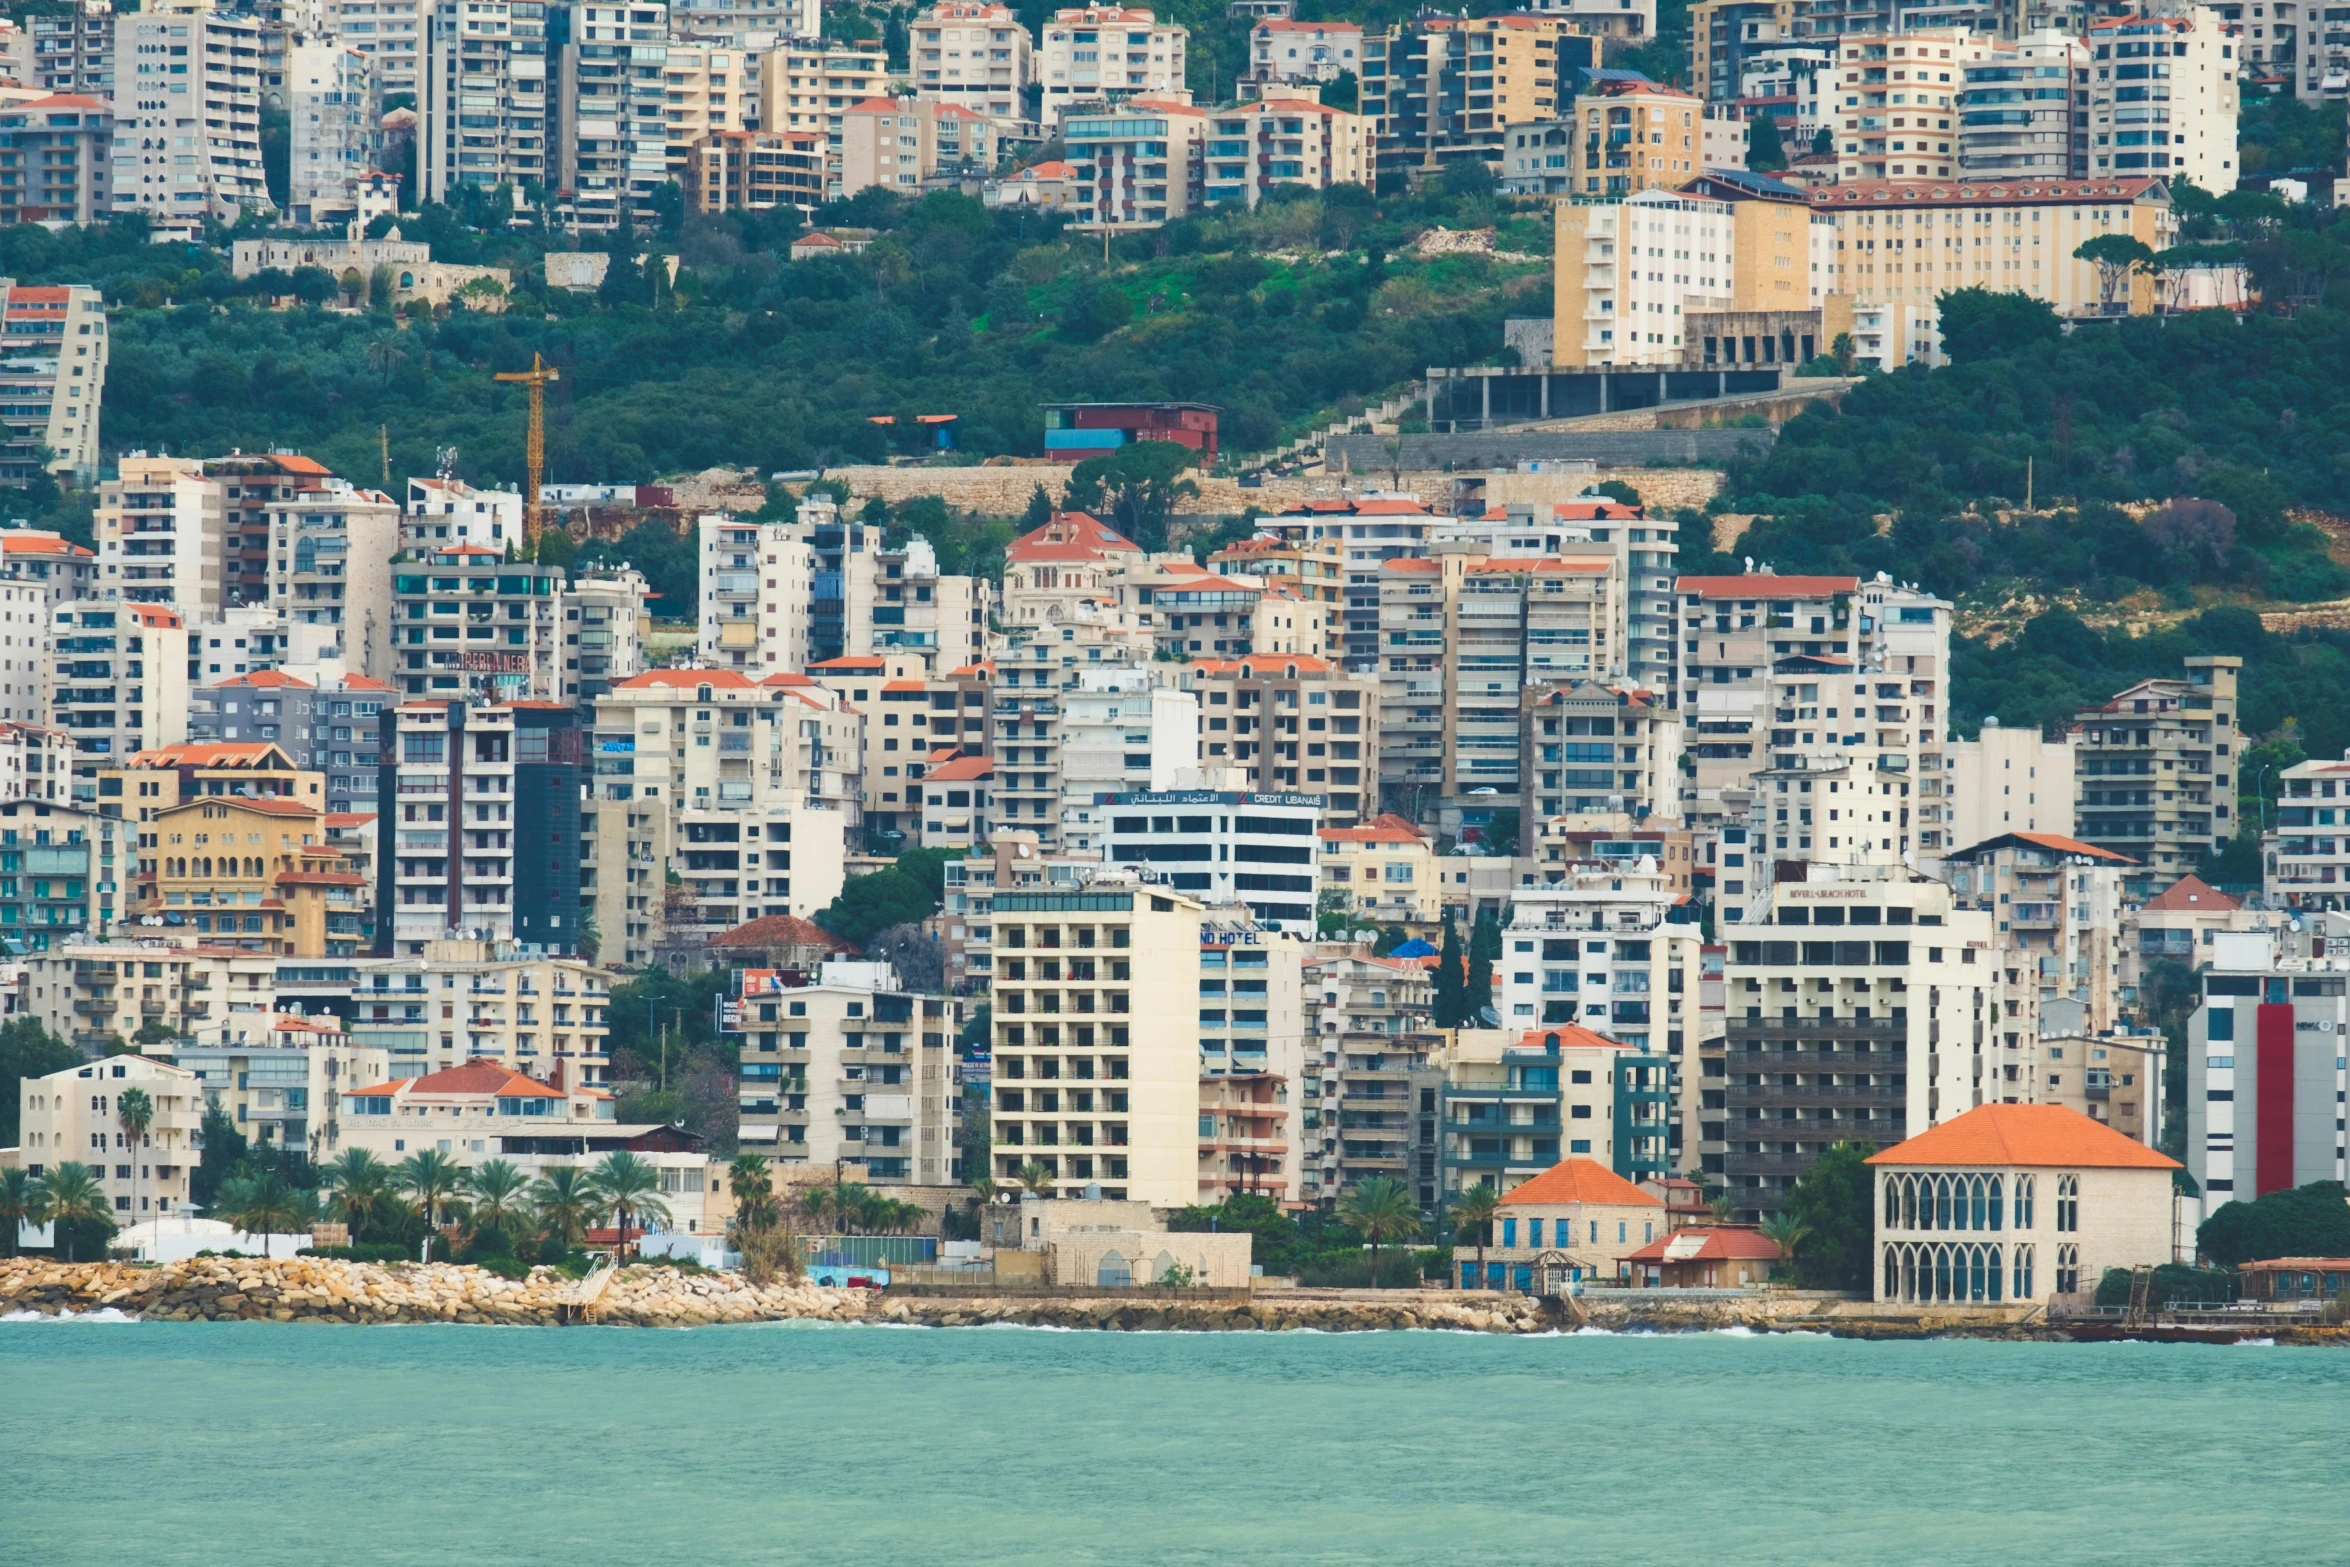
{"points": [[1380, 1210], [70, 1194], [819, 1203], [432, 1177], [1786, 1232], [566, 1202], [22, 1202], [1037, 1178], [984, 1188], [630, 1186], [263, 1205], [497, 1190], [359, 1187], [134, 1112], [752, 1183], [1476, 1209]]}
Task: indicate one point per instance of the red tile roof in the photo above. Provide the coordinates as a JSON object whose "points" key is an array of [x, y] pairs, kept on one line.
{"points": [[686, 679], [31, 541], [1722, 1243], [1570, 1036], [269, 680], [1580, 1180], [2055, 843], [1071, 535], [1260, 665], [1765, 585], [2193, 895], [1388, 828], [852, 664], [2032, 1135], [961, 770], [780, 930], [221, 753], [474, 1077]]}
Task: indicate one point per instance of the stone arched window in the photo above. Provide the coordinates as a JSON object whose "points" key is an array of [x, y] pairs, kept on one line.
{"points": [[2068, 1203], [1893, 1271], [1112, 1271], [1978, 1203], [2025, 1190], [1909, 1202], [2068, 1270], [2023, 1268], [1996, 1184], [1893, 1202]]}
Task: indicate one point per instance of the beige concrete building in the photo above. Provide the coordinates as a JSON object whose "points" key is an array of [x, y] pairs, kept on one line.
{"points": [[2175, 119], [1739, 627], [809, 85], [1111, 1244], [2157, 764], [2057, 904], [849, 1069], [1098, 54], [1284, 140], [1253, 1037], [281, 1079], [901, 144], [1382, 870], [125, 688], [973, 54], [1577, 1220], [1473, 77], [1378, 1053], [2015, 1204], [1897, 92], [1137, 163], [2007, 780], [708, 87], [160, 527], [1293, 725], [459, 1001], [1636, 136], [1096, 1040], [70, 1117], [330, 551]]}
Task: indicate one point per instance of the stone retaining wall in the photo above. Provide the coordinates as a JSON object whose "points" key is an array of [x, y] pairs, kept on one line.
{"points": [[1004, 492]]}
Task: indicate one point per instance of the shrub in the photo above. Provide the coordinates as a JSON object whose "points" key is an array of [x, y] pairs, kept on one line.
{"points": [[504, 1267], [552, 1251], [487, 1242], [357, 1253], [2172, 1281]]}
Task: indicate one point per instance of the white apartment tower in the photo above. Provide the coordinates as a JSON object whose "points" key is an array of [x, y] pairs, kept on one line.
{"points": [[330, 98], [2163, 96], [1095, 54], [974, 54], [187, 114]]}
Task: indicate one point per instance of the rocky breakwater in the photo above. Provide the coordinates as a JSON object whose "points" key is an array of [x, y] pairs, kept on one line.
{"points": [[307, 1289], [1267, 1313]]}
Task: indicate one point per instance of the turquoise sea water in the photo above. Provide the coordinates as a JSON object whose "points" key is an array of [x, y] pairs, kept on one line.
{"points": [[258, 1444]]}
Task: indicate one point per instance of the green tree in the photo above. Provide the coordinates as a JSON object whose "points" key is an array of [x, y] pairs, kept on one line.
{"points": [[1380, 1210], [1786, 1232], [260, 1203], [1765, 152], [1448, 1004], [2305, 1221], [1832, 1211], [22, 1202], [27, 1050], [1473, 1213], [1134, 489], [224, 1150], [1040, 511], [360, 1191], [1484, 952], [1279, 1243], [134, 1112], [433, 1179], [867, 904], [630, 1187], [73, 1200], [928, 867], [1979, 324], [1037, 1178], [498, 1192], [2116, 256], [565, 1202]]}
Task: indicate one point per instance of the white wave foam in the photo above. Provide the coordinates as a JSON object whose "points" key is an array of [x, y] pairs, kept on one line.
{"points": [[102, 1314]]}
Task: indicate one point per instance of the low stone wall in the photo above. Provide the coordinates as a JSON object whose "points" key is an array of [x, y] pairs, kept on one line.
{"points": [[1004, 492]]}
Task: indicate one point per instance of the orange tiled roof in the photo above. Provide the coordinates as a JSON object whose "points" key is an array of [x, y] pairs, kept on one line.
{"points": [[1580, 1180], [218, 753], [2055, 842], [474, 1077], [1388, 828], [2033, 1135], [1264, 664], [961, 769], [31, 541], [269, 680], [1570, 1036], [1723, 1243], [2193, 895], [1071, 535], [780, 930], [656, 679]]}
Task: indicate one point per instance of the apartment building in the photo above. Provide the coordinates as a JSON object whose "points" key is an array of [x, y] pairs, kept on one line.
{"points": [[1635, 278], [1283, 140], [731, 171], [2006, 780], [611, 108], [2056, 904], [2157, 768], [1901, 244], [1511, 1102], [1897, 114], [461, 1000], [1294, 725], [1872, 1038], [330, 99], [470, 626], [1252, 1023], [806, 85], [1636, 136], [604, 623], [252, 873], [745, 22], [1121, 733], [59, 568], [2163, 96], [975, 55], [1285, 53], [327, 726], [252, 639], [36, 764], [1138, 164], [390, 33], [202, 104], [1735, 629], [54, 375], [1105, 54], [68, 1117], [1591, 748], [1454, 83], [1382, 870], [1372, 1088], [706, 89], [63, 869], [1462, 633], [742, 625], [281, 1080], [901, 143], [2266, 1039], [477, 817], [73, 50], [330, 548], [121, 680], [746, 791], [57, 160], [1224, 847], [1094, 1006], [161, 531], [2021, 110], [849, 1068], [444, 511]]}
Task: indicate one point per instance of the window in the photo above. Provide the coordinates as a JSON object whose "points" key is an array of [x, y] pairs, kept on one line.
{"points": [[2068, 1206], [2068, 1266]]}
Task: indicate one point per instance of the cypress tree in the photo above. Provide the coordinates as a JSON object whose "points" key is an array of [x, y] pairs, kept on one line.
{"points": [[1484, 952], [1451, 993]]}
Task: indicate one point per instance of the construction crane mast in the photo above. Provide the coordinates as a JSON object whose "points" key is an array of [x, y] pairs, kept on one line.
{"points": [[535, 455]]}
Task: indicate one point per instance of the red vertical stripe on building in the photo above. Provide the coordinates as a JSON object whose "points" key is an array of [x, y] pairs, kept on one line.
{"points": [[2273, 1118]]}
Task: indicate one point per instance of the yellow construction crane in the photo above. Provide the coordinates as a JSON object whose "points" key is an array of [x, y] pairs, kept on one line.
{"points": [[535, 456]]}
